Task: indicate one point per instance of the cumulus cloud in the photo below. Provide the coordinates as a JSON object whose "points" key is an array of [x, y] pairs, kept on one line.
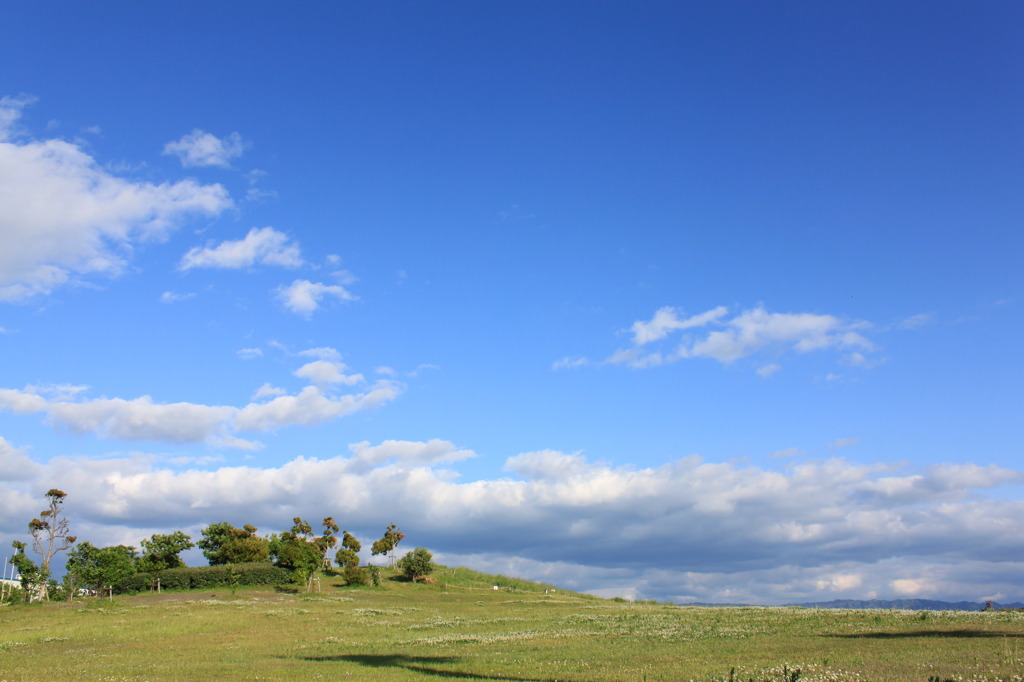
{"points": [[730, 339], [264, 246], [200, 148], [716, 531], [15, 464], [63, 217], [303, 297], [143, 419]]}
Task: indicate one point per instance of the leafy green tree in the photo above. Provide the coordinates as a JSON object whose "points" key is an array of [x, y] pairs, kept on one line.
{"points": [[50, 534], [327, 541], [417, 564], [222, 543], [348, 555], [387, 544], [28, 572], [296, 550], [161, 551], [101, 567]]}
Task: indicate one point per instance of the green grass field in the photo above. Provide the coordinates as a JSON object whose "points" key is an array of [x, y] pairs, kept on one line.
{"points": [[461, 628]]}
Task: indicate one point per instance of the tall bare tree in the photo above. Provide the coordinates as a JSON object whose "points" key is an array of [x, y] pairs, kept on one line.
{"points": [[50, 534]]}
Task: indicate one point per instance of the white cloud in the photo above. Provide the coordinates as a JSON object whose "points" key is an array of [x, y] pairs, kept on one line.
{"points": [[249, 353], [408, 453], [325, 372], [768, 370], [15, 464], [912, 587], [311, 406], [265, 246], [843, 443], [142, 419], [667, 319], [730, 339], [63, 217], [200, 148], [10, 112], [268, 391], [303, 297], [546, 465], [322, 353]]}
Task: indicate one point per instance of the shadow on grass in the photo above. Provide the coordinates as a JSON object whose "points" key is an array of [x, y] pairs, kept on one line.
{"points": [[950, 634], [286, 590], [421, 664]]}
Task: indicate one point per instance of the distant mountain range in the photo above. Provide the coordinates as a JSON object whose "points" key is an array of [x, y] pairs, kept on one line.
{"points": [[908, 604], [905, 604]]}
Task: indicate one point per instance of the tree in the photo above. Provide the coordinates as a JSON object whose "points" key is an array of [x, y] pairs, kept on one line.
{"points": [[100, 568], [386, 545], [161, 551], [327, 541], [222, 543], [50, 534], [417, 564], [348, 555], [28, 572], [296, 551]]}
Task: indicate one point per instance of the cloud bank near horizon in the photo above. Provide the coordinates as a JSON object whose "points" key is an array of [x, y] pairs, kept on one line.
{"points": [[687, 530]]}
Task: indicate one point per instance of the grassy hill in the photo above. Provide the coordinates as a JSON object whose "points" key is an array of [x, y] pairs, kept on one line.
{"points": [[459, 627]]}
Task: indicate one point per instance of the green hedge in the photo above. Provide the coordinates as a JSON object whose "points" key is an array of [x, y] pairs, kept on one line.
{"points": [[202, 577]]}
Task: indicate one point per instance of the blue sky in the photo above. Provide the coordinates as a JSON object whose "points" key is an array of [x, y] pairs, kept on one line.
{"points": [[662, 300]]}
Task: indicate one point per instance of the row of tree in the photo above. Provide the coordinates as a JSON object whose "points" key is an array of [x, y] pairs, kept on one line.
{"points": [[300, 549]]}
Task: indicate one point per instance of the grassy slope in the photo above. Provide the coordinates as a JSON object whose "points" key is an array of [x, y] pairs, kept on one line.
{"points": [[463, 629]]}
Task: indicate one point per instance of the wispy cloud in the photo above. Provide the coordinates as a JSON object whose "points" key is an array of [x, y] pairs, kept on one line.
{"points": [[916, 321], [172, 297], [728, 339], [570, 363]]}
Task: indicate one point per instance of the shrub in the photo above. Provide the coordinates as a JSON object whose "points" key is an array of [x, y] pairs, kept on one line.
{"points": [[356, 575], [203, 577], [417, 564]]}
